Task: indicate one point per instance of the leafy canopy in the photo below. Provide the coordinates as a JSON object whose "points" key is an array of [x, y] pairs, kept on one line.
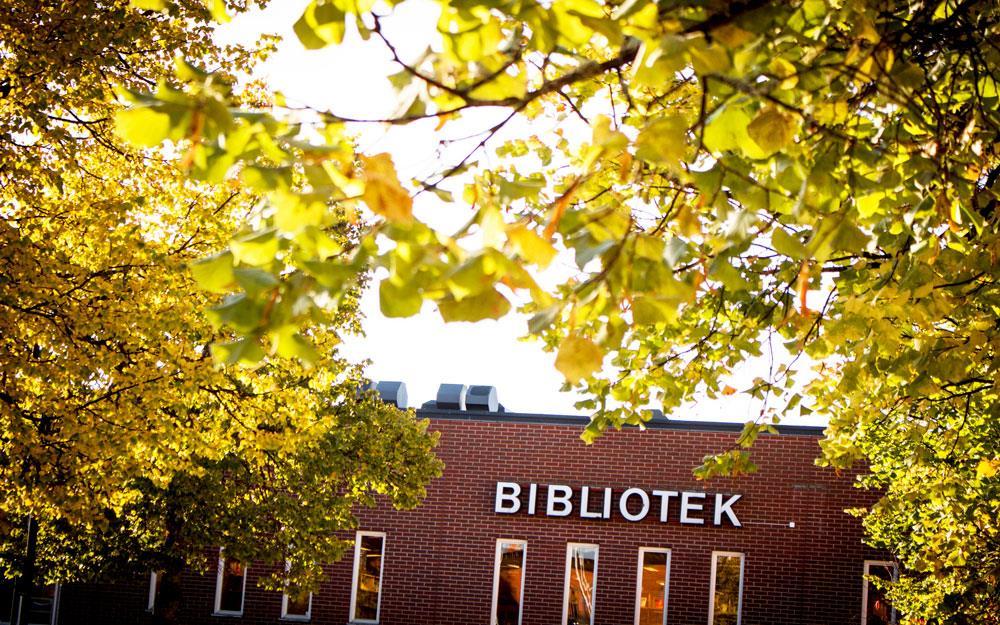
{"points": [[119, 435], [811, 184]]}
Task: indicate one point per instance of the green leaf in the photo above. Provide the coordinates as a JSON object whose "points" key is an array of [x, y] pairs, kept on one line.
{"points": [[215, 273], [772, 129], [726, 131], [787, 244], [256, 249], [238, 312], [321, 24], [578, 357], [253, 280], [650, 310], [290, 343], [489, 304], [544, 318], [245, 351], [663, 141], [398, 300], [142, 126]]}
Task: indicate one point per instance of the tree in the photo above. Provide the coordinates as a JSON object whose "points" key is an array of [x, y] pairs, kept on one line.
{"points": [[120, 438], [821, 175]]}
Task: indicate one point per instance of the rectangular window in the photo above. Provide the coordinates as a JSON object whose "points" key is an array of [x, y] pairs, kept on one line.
{"points": [[296, 608], [726, 601], [508, 581], [875, 608], [581, 584], [43, 608], [652, 586], [154, 591], [369, 548], [230, 585]]}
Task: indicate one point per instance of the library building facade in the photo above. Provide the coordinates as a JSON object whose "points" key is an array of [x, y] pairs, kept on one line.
{"points": [[529, 526]]}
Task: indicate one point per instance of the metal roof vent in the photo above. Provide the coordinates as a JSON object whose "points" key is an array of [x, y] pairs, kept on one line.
{"points": [[482, 398], [451, 396], [392, 393]]}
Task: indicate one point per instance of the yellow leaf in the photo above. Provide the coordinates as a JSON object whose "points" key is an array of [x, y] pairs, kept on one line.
{"points": [[728, 390], [663, 141], [771, 129], [578, 357], [383, 193], [530, 246], [987, 468]]}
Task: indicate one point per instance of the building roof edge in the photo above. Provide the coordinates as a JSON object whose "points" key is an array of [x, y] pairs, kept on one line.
{"points": [[431, 412]]}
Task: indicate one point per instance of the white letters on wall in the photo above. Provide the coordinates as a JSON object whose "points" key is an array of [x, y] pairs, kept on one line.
{"points": [[507, 501], [623, 504], [634, 504], [559, 502]]}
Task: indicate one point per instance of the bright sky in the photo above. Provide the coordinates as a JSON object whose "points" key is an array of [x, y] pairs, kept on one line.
{"points": [[423, 351]]}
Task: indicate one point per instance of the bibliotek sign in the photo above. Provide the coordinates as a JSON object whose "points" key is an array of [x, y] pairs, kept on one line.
{"points": [[634, 504]]}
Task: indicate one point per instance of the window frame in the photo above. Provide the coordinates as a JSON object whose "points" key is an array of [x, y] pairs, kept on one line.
{"points": [[53, 613], [151, 600], [566, 578], [219, 575], [638, 581], [300, 618], [354, 578], [711, 593], [496, 576], [864, 589]]}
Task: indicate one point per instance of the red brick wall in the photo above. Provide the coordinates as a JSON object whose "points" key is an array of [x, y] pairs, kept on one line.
{"points": [[439, 560]]}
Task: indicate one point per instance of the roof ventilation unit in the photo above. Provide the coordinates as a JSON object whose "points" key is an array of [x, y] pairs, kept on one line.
{"points": [[392, 393], [451, 396], [482, 398]]}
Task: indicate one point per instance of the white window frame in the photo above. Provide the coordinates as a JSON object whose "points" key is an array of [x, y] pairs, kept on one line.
{"points": [[151, 602], [354, 577], [711, 595], [864, 592], [565, 603], [496, 576], [53, 616], [220, 573], [302, 618], [638, 581]]}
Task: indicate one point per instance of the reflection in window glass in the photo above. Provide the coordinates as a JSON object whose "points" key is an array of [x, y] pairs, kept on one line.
{"points": [[229, 587], [509, 582], [654, 574], [727, 582], [878, 610], [367, 576], [581, 582]]}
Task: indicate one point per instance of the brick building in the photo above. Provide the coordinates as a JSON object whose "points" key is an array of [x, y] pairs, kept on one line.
{"points": [[528, 526]]}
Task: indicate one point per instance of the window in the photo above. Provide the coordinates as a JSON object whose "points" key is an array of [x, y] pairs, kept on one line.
{"points": [[42, 609], [875, 608], [581, 584], [508, 582], [154, 591], [652, 586], [369, 548], [296, 608], [230, 584], [726, 599]]}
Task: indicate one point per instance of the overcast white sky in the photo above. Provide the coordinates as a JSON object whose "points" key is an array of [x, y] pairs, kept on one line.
{"points": [[423, 351]]}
